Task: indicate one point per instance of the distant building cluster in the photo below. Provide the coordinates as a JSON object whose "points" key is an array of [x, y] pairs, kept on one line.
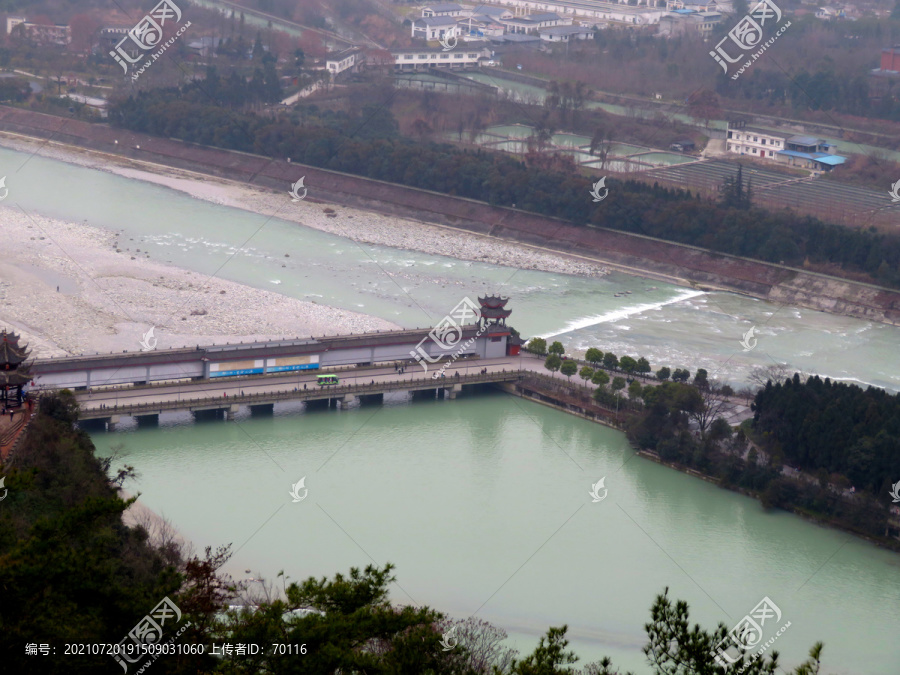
{"points": [[520, 22], [805, 152], [689, 19], [40, 33]]}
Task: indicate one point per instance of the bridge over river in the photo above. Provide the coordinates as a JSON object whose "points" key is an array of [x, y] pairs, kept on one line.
{"points": [[225, 397]]}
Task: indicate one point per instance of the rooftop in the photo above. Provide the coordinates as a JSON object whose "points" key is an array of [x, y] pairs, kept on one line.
{"points": [[830, 160], [438, 20], [761, 132], [443, 7], [565, 30]]}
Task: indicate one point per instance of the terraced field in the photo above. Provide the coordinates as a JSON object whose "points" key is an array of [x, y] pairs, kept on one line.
{"points": [[830, 200]]}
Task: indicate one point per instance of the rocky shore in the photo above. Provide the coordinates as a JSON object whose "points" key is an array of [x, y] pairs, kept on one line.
{"points": [[64, 287]]}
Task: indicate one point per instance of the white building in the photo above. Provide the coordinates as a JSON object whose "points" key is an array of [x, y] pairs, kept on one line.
{"points": [[805, 152], [464, 56], [480, 26], [566, 34], [758, 142], [337, 62], [435, 27], [688, 22], [443, 9], [534, 22], [496, 13]]}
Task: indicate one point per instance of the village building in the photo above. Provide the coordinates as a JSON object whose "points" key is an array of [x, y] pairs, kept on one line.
{"points": [[39, 33], [566, 34], [805, 152], [443, 9], [435, 28], [464, 56], [688, 22], [342, 61]]}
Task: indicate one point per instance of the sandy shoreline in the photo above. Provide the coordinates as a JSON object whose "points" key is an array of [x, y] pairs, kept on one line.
{"points": [[64, 287], [67, 290]]}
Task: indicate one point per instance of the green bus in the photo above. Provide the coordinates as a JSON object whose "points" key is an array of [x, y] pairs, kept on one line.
{"points": [[325, 380]]}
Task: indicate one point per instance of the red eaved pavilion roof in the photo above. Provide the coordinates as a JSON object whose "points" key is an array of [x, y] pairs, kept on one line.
{"points": [[492, 302], [11, 354]]}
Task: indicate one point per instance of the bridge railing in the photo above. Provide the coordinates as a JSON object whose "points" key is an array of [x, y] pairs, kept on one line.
{"points": [[317, 393]]}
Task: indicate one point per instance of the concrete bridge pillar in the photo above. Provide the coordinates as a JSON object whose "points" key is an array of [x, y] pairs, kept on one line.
{"points": [[347, 400], [451, 392], [231, 411], [112, 422]]}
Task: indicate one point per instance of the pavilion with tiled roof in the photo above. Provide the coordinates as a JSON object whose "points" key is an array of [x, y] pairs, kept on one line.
{"points": [[15, 373]]}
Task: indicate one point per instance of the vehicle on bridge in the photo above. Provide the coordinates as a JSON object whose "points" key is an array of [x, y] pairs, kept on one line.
{"points": [[325, 380]]}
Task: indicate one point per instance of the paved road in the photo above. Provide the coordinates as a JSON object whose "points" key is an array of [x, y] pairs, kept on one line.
{"points": [[260, 384]]}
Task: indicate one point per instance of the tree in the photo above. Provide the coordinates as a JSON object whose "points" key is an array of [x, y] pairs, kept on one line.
{"points": [[703, 106], [549, 657], [586, 373], [714, 404], [71, 570], [553, 363], [83, 28], [700, 379], [258, 49], [600, 378], [568, 368], [628, 364], [635, 390], [733, 193], [677, 647], [618, 383], [610, 361], [643, 366], [480, 647], [775, 373], [421, 129], [664, 373], [593, 356], [601, 142], [352, 622], [537, 345], [681, 375], [720, 429], [557, 348]]}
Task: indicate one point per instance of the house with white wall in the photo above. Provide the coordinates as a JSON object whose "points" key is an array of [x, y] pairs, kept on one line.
{"points": [[435, 27]]}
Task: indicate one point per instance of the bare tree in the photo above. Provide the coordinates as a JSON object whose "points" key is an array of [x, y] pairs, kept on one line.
{"points": [[777, 372], [715, 404], [747, 393], [161, 534], [482, 645], [122, 474]]}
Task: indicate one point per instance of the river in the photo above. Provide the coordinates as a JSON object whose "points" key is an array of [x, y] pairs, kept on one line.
{"points": [[483, 502]]}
